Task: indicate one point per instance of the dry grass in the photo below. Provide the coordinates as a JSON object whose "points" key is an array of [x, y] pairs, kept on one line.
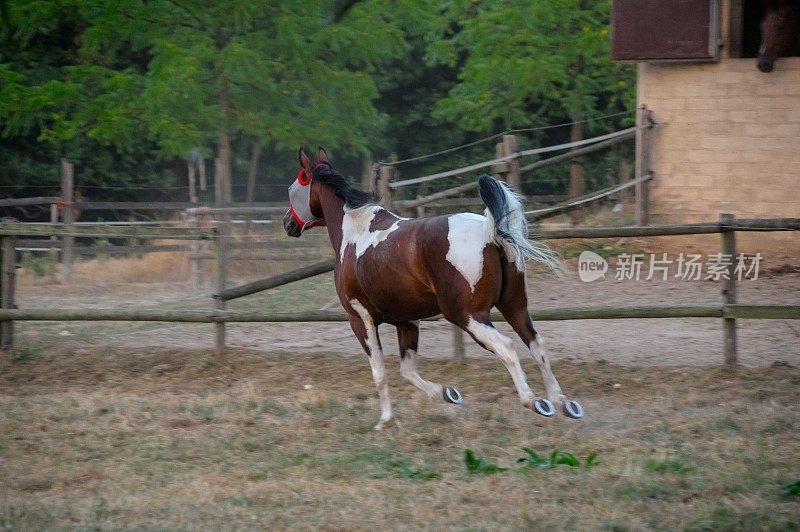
{"points": [[186, 440], [145, 268]]}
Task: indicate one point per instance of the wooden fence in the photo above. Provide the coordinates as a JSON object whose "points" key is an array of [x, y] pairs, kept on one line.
{"points": [[728, 309], [506, 165]]}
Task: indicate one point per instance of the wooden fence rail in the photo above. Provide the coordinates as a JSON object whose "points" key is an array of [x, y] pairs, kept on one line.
{"points": [[626, 133], [615, 138], [584, 201], [774, 224], [110, 231], [305, 272], [733, 311]]}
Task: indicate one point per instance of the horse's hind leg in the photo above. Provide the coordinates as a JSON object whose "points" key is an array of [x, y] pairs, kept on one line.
{"points": [[367, 333], [408, 340], [513, 305], [483, 332]]}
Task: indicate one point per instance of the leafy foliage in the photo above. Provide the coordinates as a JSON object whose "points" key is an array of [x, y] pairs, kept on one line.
{"points": [[126, 88], [534, 460], [791, 490], [520, 61]]}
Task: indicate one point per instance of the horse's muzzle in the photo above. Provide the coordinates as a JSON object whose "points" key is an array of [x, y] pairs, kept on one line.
{"points": [[291, 226]]}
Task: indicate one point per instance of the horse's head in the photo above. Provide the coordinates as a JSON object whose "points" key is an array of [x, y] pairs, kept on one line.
{"points": [[779, 32], [305, 209]]}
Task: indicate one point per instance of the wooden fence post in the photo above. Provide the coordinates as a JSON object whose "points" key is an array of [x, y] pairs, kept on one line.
{"points": [[458, 343], [577, 175], [420, 209], [68, 242], [194, 252], [192, 187], [222, 232], [382, 186], [500, 170], [729, 289], [8, 262], [644, 122], [368, 169], [510, 147], [219, 303], [54, 239]]}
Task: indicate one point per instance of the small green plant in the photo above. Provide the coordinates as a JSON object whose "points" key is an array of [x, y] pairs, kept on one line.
{"points": [[591, 459], [668, 465], [479, 466], [401, 469], [534, 460], [24, 354], [791, 490]]}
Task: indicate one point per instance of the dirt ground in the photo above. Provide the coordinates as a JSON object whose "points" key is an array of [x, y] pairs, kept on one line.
{"points": [[108, 425], [636, 342], [167, 439]]}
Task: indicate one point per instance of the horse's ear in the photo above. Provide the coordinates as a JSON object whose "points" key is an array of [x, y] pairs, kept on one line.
{"points": [[305, 162], [322, 155]]}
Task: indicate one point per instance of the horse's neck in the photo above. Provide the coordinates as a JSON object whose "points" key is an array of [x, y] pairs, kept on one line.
{"points": [[333, 212]]}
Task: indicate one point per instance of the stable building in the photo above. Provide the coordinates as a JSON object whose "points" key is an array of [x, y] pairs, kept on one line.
{"points": [[727, 137]]}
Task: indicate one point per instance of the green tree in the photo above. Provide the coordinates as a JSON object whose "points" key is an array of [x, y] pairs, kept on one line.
{"points": [[187, 73], [521, 61]]}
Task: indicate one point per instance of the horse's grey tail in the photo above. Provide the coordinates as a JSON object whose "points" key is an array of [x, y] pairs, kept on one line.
{"points": [[508, 227]]}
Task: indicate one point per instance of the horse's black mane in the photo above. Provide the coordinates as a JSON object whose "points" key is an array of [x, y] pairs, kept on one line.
{"points": [[353, 198]]}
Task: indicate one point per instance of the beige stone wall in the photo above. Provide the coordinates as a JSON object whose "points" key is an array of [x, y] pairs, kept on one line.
{"points": [[728, 140]]}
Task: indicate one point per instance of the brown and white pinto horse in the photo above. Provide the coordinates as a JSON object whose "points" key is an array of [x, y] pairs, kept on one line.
{"points": [[780, 33], [396, 270]]}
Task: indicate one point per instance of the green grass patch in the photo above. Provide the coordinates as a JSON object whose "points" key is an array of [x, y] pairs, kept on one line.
{"points": [[402, 469], [668, 465]]}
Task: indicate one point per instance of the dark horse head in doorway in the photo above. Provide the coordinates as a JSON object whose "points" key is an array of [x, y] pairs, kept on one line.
{"points": [[780, 32]]}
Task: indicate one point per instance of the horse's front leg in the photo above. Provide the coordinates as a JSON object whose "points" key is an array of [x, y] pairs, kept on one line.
{"points": [[367, 333]]}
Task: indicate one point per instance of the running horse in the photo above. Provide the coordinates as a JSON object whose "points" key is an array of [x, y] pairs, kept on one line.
{"points": [[780, 33], [397, 270]]}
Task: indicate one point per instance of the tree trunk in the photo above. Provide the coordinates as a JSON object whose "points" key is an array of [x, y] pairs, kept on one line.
{"points": [[255, 155], [577, 186], [224, 147]]}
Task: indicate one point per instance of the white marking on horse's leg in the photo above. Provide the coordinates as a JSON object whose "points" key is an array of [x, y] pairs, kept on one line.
{"points": [[408, 367], [376, 362], [466, 238], [503, 347], [551, 386]]}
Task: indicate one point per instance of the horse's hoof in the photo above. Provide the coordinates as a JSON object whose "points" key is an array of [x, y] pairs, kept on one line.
{"points": [[451, 395], [544, 407], [382, 424], [573, 409]]}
